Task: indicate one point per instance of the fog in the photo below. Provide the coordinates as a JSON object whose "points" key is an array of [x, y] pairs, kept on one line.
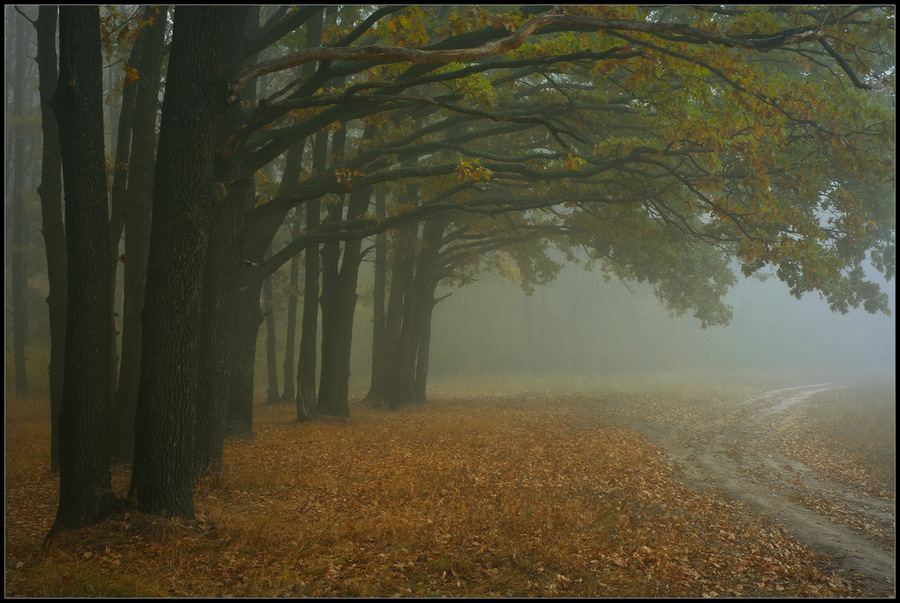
{"points": [[579, 332]]}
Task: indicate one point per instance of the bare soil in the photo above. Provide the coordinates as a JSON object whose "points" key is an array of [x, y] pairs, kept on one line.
{"points": [[744, 447]]}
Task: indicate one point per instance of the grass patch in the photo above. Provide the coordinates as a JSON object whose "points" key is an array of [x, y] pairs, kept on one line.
{"points": [[514, 496]]}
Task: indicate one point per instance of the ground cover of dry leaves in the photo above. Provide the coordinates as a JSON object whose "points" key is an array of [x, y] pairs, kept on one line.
{"points": [[847, 435], [474, 495]]}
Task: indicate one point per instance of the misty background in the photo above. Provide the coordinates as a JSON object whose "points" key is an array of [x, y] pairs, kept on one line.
{"points": [[581, 334]]}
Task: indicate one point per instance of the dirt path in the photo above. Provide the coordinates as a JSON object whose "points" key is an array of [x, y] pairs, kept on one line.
{"points": [[731, 445]]}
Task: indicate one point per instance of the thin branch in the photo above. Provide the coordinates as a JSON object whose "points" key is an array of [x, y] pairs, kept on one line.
{"points": [[844, 65]]}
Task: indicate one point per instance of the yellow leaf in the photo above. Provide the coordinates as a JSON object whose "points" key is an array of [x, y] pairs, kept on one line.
{"points": [[131, 74]]}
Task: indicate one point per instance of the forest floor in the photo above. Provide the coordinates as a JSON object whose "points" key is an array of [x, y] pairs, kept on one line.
{"points": [[818, 459], [675, 492]]}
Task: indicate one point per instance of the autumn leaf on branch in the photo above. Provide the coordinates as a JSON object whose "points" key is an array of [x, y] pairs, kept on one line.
{"points": [[472, 170], [131, 74]]}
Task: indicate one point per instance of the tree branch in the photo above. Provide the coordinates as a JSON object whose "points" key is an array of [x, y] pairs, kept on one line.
{"points": [[557, 22]]}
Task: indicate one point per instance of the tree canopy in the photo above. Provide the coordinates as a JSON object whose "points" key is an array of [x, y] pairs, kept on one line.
{"points": [[667, 141]]}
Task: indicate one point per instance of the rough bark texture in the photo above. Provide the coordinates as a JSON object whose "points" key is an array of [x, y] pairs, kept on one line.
{"points": [[217, 334], [185, 193], [85, 488], [227, 392], [50, 192], [223, 333]]}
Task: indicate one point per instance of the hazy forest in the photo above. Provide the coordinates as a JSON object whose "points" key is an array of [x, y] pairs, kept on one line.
{"points": [[450, 300]]}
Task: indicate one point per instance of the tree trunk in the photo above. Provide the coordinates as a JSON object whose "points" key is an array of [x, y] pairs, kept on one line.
{"points": [[85, 486], [50, 192], [291, 173], [328, 400], [306, 360], [240, 395], [336, 348], [118, 191], [424, 346], [291, 329], [376, 385], [306, 355], [185, 193], [221, 314], [309, 325], [19, 273], [137, 216], [272, 396], [424, 302], [401, 282], [218, 331]]}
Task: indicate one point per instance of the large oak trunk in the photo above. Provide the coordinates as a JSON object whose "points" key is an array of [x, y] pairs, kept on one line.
{"points": [[85, 494], [184, 196]]}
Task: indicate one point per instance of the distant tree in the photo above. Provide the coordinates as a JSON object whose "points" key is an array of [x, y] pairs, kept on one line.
{"points": [[375, 395], [19, 271], [272, 396], [289, 392]]}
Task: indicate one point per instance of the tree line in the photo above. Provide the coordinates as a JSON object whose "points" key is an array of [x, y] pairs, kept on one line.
{"points": [[668, 143]]}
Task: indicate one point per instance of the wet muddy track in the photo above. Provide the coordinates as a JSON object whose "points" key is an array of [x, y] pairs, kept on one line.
{"points": [[730, 446]]}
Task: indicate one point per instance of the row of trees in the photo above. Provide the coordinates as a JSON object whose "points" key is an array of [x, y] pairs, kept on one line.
{"points": [[665, 142]]}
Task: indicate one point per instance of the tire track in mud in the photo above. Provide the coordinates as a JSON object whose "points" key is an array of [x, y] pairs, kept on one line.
{"points": [[731, 449]]}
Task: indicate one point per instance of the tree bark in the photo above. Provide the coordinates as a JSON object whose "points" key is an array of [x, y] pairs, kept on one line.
{"points": [[85, 485], [248, 317], [293, 167], [306, 360], [306, 355], [137, 218], [230, 349], [328, 399], [424, 302], [185, 194], [376, 384], [272, 396], [119, 189], [50, 192], [401, 282], [423, 352], [289, 392], [337, 338]]}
